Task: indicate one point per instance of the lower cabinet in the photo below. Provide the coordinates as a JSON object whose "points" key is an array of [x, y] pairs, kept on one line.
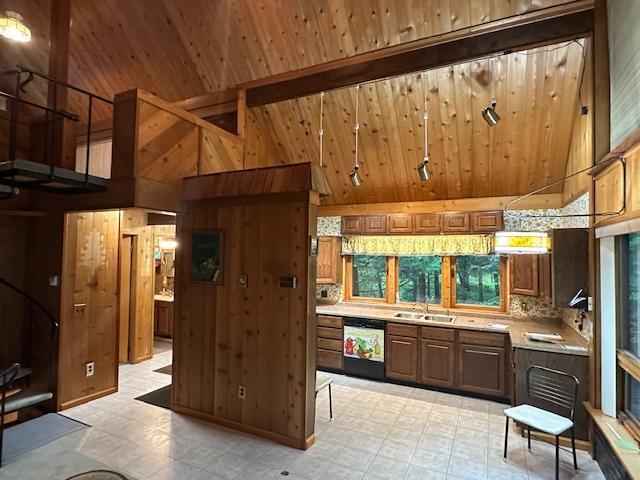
{"points": [[163, 319], [329, 352], [482, 369], [437, 363], [401, 358]]}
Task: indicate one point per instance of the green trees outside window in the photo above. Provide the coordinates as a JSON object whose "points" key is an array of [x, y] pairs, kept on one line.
{"points": [[369, 276], [420, 279], [478, 280]]}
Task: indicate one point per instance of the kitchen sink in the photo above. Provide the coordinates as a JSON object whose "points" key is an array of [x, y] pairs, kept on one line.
{"points": [[431, 318]]}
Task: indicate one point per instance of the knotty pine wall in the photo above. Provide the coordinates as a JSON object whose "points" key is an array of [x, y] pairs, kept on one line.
{"points": [[262, 337]]}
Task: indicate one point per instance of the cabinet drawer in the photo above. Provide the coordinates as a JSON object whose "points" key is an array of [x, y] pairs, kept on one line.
{"points": [[329, 359], [333, 333], [482, 338], [333, 322], [437, 333], [330, 344], [402, 330]]}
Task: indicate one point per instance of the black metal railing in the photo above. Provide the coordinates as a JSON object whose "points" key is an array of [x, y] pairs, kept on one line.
{"points": [[24, 76]]}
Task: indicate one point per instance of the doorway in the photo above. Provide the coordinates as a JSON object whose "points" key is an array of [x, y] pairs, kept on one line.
{"points": [[127, 296]]}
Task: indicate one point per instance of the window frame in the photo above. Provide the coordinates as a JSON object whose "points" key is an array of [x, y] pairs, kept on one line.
{"points": [[448, 286]]}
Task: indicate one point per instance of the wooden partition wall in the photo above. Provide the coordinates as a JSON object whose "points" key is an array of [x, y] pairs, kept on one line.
{"points": [[261, 336]]}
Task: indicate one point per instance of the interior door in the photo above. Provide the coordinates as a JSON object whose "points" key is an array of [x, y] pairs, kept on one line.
{"points": [[126, 247]]}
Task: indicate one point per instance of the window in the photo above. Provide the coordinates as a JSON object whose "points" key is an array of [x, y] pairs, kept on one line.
{"points": [[369, 276], [478, 280], [420, 279], [630, 260]]}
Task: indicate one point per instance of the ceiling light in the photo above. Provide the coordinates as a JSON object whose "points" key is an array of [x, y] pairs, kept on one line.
{"points": [[168, 244], [522, 242], [423, 169], [11, 27], [355, 177], [490, 115]]}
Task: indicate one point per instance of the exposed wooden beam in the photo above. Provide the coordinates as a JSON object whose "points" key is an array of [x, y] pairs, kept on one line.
{"points": [[536, 28], [209, 101], [549, 200]]}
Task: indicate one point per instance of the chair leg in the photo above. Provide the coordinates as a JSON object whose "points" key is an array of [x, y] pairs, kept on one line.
{"points": [[529, 437], [573, 447], [557, 457], [506, 437], [1, 439], [330, 404]]}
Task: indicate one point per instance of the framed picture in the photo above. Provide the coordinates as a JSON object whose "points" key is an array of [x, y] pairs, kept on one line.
{"points": [[207, 255]]}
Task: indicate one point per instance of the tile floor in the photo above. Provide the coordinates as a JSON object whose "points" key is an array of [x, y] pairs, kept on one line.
{"points": [[380, 431]]}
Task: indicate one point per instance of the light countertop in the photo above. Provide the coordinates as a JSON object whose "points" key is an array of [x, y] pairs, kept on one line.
{"points": [[163, 298], [572, 343]]}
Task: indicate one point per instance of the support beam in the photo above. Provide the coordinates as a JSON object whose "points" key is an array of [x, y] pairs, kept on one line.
{"points": [[536, 28]]}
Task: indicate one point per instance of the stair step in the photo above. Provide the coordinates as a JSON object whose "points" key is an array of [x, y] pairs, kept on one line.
{"points": [[26, 399]]}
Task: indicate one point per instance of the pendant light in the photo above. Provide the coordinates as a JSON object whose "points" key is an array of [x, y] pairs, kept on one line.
{"points": [[490, 115], [423, 166], [321, 131], [12, 27], [354, 176]]}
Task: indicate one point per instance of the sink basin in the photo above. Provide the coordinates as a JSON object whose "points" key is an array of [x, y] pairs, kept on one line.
{"points": [[412, 316]]}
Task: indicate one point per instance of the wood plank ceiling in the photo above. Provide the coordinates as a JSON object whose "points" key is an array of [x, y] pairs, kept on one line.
{"points": [[537, 99], [178, 49]]}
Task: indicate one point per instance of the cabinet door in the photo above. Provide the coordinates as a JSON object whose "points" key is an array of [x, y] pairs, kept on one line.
{"points": [[400, 223], [437, 366], [486, 221], [482, 369], [455, 223], [162, 319], [544, 275], [401, 358], [523, 272], [328, 260], [330, 359], [375, 224], [427, 223], [352, 225]]}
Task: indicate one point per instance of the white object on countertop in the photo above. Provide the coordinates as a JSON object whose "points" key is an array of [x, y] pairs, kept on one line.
{"points": [[543, 337], [575, 348], [498, 326]]}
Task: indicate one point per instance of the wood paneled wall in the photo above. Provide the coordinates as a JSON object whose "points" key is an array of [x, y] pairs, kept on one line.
{"points": [[89, 307], [262, 336], [609, 190]]}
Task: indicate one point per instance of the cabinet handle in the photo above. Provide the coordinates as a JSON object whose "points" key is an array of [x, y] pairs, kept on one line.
{"points": [[493, 354], [442, 347], [79, 305], [401, 342]]}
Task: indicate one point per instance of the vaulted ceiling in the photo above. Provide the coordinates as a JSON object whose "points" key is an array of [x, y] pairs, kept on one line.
{"points": [[178, 49], [537, 95]]}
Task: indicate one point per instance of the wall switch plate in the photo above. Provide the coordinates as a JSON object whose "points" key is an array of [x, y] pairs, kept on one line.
{"points": [[589, 304], [243, 280], [54, 280], [324, 294], [91, 368], [288, 282], [242, 392]]}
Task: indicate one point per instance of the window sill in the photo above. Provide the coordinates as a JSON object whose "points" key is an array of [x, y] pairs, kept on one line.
{"points": [[466, 311]]}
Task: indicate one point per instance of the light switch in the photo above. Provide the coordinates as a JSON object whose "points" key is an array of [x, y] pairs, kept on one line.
{"points": [[53, 280]]}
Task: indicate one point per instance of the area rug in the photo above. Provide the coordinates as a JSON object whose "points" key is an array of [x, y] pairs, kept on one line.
{"points": [[28, 436], [168, 370], [98, 475], [159, 398]]}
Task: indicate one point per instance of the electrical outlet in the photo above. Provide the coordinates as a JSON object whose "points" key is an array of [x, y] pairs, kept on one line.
{"points": [[91, 368], [242, 392]]}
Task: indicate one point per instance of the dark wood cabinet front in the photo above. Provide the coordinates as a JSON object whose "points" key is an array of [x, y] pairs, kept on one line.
{"points": [[427, 223], [482, 369], [352, 225], [328, 260], [329, 351], [523, 273], [437, 363], [400, 223], [486, 221], [163, 319], [375, 224], [455, 223], [401, 358]]}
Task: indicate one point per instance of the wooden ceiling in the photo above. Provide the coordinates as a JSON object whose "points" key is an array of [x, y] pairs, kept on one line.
{"points": [[177, 49], [537, 99]]}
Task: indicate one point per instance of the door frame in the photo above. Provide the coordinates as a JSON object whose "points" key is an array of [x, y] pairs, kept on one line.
{"points": [[131, 239]]}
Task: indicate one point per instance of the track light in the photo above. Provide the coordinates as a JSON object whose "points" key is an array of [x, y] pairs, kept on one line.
{"points": [[423, 169], [355, 177], [490, 115]]}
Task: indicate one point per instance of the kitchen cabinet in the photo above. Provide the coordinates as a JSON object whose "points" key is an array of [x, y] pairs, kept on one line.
{"points": [[523, 275], [401, 358], [457, 222], [329, 343], [328, 271], [400, 223], [352, 225], [544, 275], [569, 264], [482, 369], [437, 363], [485, 222], [427, 223], [375, 224], [163, 319]]}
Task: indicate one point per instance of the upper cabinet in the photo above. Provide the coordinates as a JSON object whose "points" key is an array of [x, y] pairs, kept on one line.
{"points": [[423, 223], [523, 273], [328, 260]]}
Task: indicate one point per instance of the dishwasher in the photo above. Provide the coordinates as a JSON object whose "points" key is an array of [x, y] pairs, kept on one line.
{"points": [[363, 348]]}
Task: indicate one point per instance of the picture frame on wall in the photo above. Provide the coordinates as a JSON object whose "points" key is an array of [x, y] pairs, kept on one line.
{"points": [[207, 257]]}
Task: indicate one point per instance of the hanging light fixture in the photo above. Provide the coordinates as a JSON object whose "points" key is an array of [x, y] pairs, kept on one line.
{"points": [[11, 27], [321, 131], [354, 176], [423, 166], [522, 242], [490, 115]]}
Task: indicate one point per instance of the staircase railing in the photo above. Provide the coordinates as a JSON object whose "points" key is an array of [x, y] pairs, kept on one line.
{"points": [[36, 316]]}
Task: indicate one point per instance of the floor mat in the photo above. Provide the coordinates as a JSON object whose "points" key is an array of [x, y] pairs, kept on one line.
{"points": [[28, 436], [159, 398], [168, 370]]}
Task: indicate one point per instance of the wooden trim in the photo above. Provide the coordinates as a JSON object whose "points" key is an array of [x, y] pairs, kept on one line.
{"points": [[448, 277], [629, 364], [392, 279], [207, 100], [301, 444], [620, 228], [87, 398], [519, 32], [543, 201]]}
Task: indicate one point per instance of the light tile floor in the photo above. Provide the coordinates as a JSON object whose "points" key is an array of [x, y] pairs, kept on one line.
{"points": [[379, 431]]}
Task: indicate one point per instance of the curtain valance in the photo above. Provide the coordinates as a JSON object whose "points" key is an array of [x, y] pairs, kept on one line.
{"points": [[394, 245]]}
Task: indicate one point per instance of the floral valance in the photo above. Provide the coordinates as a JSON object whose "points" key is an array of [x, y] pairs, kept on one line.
{"points": [[394, 245]]}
